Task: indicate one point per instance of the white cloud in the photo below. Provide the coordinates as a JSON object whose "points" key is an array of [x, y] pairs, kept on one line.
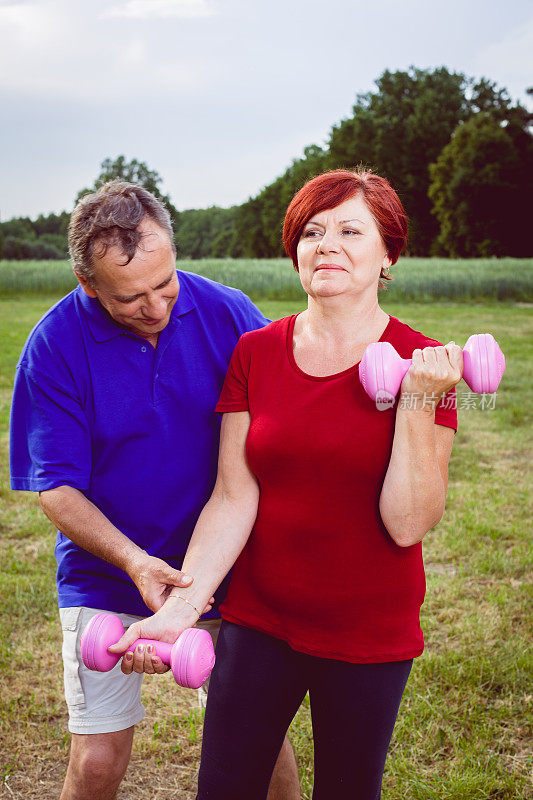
{"points": [[59, 50], [23, 23], [132, 55], [510, 59], [203, 100], [160, 9]]}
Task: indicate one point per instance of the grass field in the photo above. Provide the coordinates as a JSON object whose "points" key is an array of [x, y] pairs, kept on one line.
{"points": [[275, 279], [463, 732]]}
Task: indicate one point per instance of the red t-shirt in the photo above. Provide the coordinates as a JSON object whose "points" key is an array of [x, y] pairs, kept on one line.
{"points": [[320, 570]]}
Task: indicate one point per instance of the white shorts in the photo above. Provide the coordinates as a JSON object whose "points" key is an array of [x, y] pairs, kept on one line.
{"points": [[104, 702]]}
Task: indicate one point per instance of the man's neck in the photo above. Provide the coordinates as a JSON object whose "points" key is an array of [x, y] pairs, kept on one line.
{"points": [[152, 339]]}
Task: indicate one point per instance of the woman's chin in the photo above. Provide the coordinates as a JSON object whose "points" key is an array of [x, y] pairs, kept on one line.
{"points": [[327, 289]]}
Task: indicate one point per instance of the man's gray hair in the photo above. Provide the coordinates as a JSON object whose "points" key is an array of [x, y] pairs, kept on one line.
{"points": [[111, 216]]}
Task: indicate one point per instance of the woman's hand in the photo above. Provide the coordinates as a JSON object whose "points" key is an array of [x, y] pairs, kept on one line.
{"points": [[164, 626], [433, 372]]}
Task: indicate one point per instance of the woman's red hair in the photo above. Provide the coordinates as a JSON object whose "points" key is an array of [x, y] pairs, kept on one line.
{"points": [[330, 190]]}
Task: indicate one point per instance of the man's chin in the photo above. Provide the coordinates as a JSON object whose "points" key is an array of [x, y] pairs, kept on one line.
{"points": [[144, 329]]}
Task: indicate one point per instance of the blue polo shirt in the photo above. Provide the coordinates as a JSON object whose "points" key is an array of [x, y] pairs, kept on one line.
{"points": [[134, 428]]}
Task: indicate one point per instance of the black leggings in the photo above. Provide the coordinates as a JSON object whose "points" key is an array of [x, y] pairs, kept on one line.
{"points": [[256, 688]]}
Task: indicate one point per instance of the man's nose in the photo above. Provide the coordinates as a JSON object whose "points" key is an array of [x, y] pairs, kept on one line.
{"points": [[156, 307]]}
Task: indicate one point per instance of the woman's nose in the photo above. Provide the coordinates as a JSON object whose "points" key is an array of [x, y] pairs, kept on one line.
{"points": [[328, 243]]}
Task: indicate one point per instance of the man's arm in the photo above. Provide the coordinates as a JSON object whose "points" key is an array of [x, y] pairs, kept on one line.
{"points": [[82, 522]]}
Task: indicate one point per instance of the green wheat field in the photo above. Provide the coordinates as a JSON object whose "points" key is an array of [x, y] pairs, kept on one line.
{"points": [[464, 728], [275, 279]]}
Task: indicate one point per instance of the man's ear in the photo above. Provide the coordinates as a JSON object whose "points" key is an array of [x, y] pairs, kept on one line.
{"points": [[85, 285]]}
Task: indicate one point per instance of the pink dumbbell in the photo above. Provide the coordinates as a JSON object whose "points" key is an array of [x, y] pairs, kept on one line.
{"points": [[191, 657], [382, 370]]}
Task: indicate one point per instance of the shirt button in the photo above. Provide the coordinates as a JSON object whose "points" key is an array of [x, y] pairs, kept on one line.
{"points": [[157, 374], [143, 349]]}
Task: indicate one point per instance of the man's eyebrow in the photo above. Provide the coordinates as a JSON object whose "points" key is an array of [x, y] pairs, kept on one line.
{"points": [[126, 298], [123, 298], [164, 283]]}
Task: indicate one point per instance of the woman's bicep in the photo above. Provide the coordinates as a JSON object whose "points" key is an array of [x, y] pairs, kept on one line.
{"points": [[235, 479], [444, 442]]}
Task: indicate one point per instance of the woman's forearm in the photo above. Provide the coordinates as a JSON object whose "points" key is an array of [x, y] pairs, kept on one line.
{"points": [[413, 495], [220, 534]]}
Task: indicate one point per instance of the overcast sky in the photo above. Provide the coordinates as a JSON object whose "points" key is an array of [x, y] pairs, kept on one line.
{"points": [[217, 95]]}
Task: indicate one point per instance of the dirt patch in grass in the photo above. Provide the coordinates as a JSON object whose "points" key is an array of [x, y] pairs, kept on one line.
{"points": [[34, 741]]}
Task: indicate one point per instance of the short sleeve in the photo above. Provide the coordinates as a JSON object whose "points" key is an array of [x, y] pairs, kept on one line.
{"points": [[50, 443], [247, 317], [446, 411], [256, 319], [234, 394]]}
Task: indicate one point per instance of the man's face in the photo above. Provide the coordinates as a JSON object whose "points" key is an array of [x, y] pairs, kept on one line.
{"points": [[141, 294]]}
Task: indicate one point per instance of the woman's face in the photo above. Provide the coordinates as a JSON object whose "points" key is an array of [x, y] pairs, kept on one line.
{"points": [[341, 251]]}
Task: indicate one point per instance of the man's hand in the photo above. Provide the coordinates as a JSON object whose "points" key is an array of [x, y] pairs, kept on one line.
{"points": [[155, 579], [83, 522]]}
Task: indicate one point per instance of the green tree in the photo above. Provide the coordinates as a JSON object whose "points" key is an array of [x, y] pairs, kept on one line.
{"points": [[399, 130], [19, 228], [224, 245], [53, 224], [134, 172], [199, 228], [259, 221], [251, 237], [480, 190]]}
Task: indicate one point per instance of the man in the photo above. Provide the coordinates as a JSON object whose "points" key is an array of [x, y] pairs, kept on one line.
{"points": [[113, 424]]}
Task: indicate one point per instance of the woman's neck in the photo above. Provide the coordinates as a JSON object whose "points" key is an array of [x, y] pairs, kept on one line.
{"points": [[343, 319]]}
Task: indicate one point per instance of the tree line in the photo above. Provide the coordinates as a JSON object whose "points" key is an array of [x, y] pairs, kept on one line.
{"points": [[458, 151]]}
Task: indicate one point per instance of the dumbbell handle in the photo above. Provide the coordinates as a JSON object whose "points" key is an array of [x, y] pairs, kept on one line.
{"points": [[162, 649], [191, 657], [382, 370]]}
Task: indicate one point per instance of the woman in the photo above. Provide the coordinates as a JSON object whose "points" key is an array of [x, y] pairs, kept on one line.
{"points": [[328, 499]]}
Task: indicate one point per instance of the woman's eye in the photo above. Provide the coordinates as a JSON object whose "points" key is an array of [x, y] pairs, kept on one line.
{"points": [[350, 231], [310, 234]]}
